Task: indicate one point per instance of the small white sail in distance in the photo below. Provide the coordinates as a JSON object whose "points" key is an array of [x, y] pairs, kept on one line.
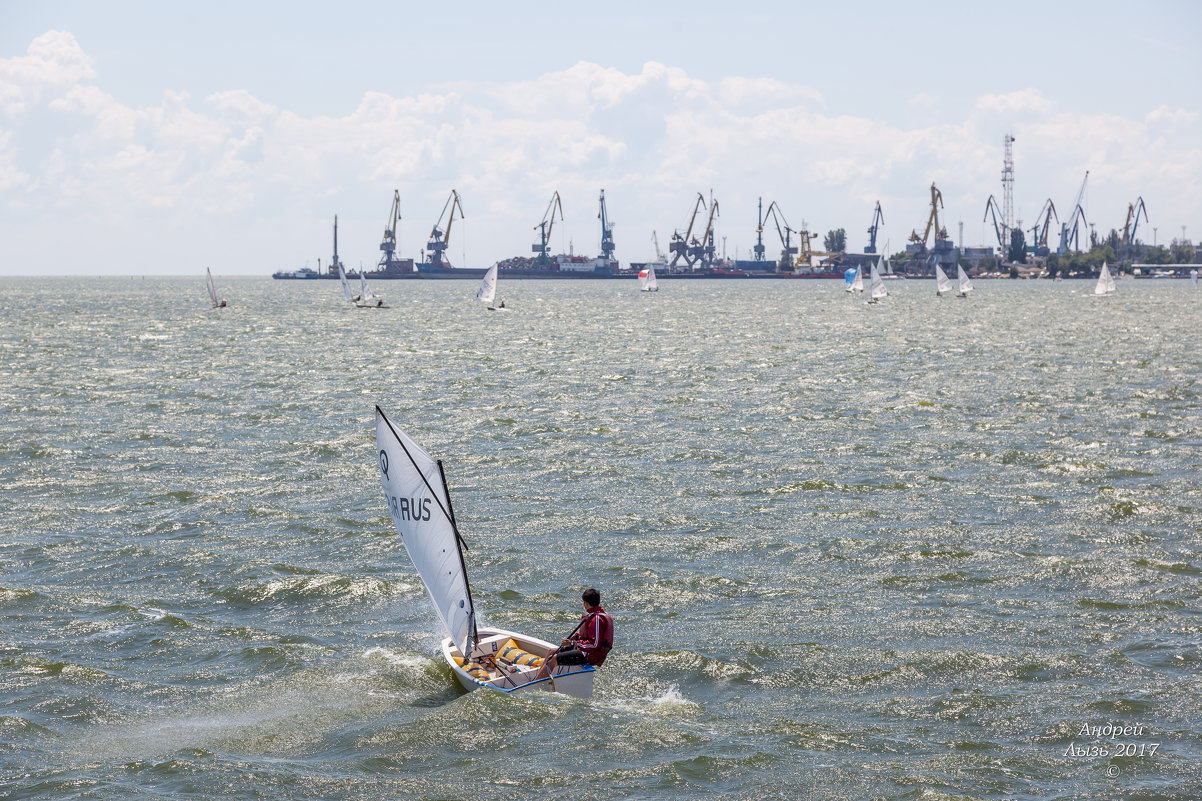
{"points": [[857, 281], [212, 289], [942, 282], [876, 286], [346, 287], [421, 511], [965, 284], [1105, 284], [487, 292], [365, 295]]}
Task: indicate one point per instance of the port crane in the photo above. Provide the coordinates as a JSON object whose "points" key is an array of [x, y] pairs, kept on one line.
{"points": [[440, 238], [607, 231], [758, 250], [659, 254], [389, 244], [705, 251], [932, 220], [788, 249], [1039, 234], [1133, 212], [1070, 231], [544, 229], [681, 246], [991, 208], [878, 219]]}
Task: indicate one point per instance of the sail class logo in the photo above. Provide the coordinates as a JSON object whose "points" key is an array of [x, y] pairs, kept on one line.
{"points": [[384, 462]]}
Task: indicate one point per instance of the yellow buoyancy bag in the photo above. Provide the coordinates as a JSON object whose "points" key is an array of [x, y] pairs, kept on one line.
{"points": [[516, 656], [473, 669]]}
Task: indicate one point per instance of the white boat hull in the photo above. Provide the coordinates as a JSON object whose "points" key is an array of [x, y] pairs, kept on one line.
{"points": [[574, 680]]}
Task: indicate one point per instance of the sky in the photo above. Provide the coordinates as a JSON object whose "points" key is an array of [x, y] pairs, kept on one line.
{"points": [[151, 138]]}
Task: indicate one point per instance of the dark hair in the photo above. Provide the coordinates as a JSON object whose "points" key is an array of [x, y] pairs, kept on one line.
{"points": [[591, 597]]}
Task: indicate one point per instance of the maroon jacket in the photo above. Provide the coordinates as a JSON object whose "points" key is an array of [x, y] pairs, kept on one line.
{"points": [[596, 635]]}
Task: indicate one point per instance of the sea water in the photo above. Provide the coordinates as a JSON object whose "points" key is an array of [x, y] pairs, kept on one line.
{"points": [[927, 548]]}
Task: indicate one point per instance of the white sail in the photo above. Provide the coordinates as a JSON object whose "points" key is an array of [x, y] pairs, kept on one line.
{"points": [[876, 286], [652, 286], [1105, 283], [365, 295], [488, 287], [965, 284], [421, 511], [643, 280], [212, 290], [942, 282], [857, 283], [346, 287]]}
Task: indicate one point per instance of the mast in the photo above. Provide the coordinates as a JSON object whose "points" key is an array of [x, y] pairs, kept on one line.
{"points": [[462, 563]]}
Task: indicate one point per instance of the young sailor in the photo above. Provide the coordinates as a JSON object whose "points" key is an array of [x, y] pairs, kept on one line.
{"points": [[591, 641]]}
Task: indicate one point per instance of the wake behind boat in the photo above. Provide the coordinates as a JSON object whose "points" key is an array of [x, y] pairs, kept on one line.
{"points": [[415, 488]]}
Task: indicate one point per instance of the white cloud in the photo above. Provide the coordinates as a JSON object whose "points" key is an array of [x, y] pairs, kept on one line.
{"points": [[1022, 100], [53, 60], [247, 172]]}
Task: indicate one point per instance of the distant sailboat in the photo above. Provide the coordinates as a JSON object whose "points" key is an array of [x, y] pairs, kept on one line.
{"points": [[853, 280], [942, 282], [346, 287], [419, 501], [965, 284], [876, 287], [647, 280], [366, 298], [1105, 285], [487, 292], [217, 304]]}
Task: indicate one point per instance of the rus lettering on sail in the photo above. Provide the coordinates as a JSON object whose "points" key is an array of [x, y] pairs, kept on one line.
{"points": [[413, 509]]}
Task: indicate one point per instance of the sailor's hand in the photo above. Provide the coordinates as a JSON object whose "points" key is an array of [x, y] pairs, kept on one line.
{"points": [[565, 642]]}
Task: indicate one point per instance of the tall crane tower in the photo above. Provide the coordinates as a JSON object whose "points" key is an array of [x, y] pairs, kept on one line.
{"points": [[440, 238], [1070, 231], [544, 229], [1007, 192], [878, 219], [758, 250], [607, 231]]}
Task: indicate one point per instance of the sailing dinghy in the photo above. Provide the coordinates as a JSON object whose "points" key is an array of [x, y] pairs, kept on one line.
{"points": [[647, 280], [856, 282], [217, 304], [1105, 285], [876, 287], [346, 287], [415, 488], [942, 282], [487, 292], [366, 299], [965, 284]]}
